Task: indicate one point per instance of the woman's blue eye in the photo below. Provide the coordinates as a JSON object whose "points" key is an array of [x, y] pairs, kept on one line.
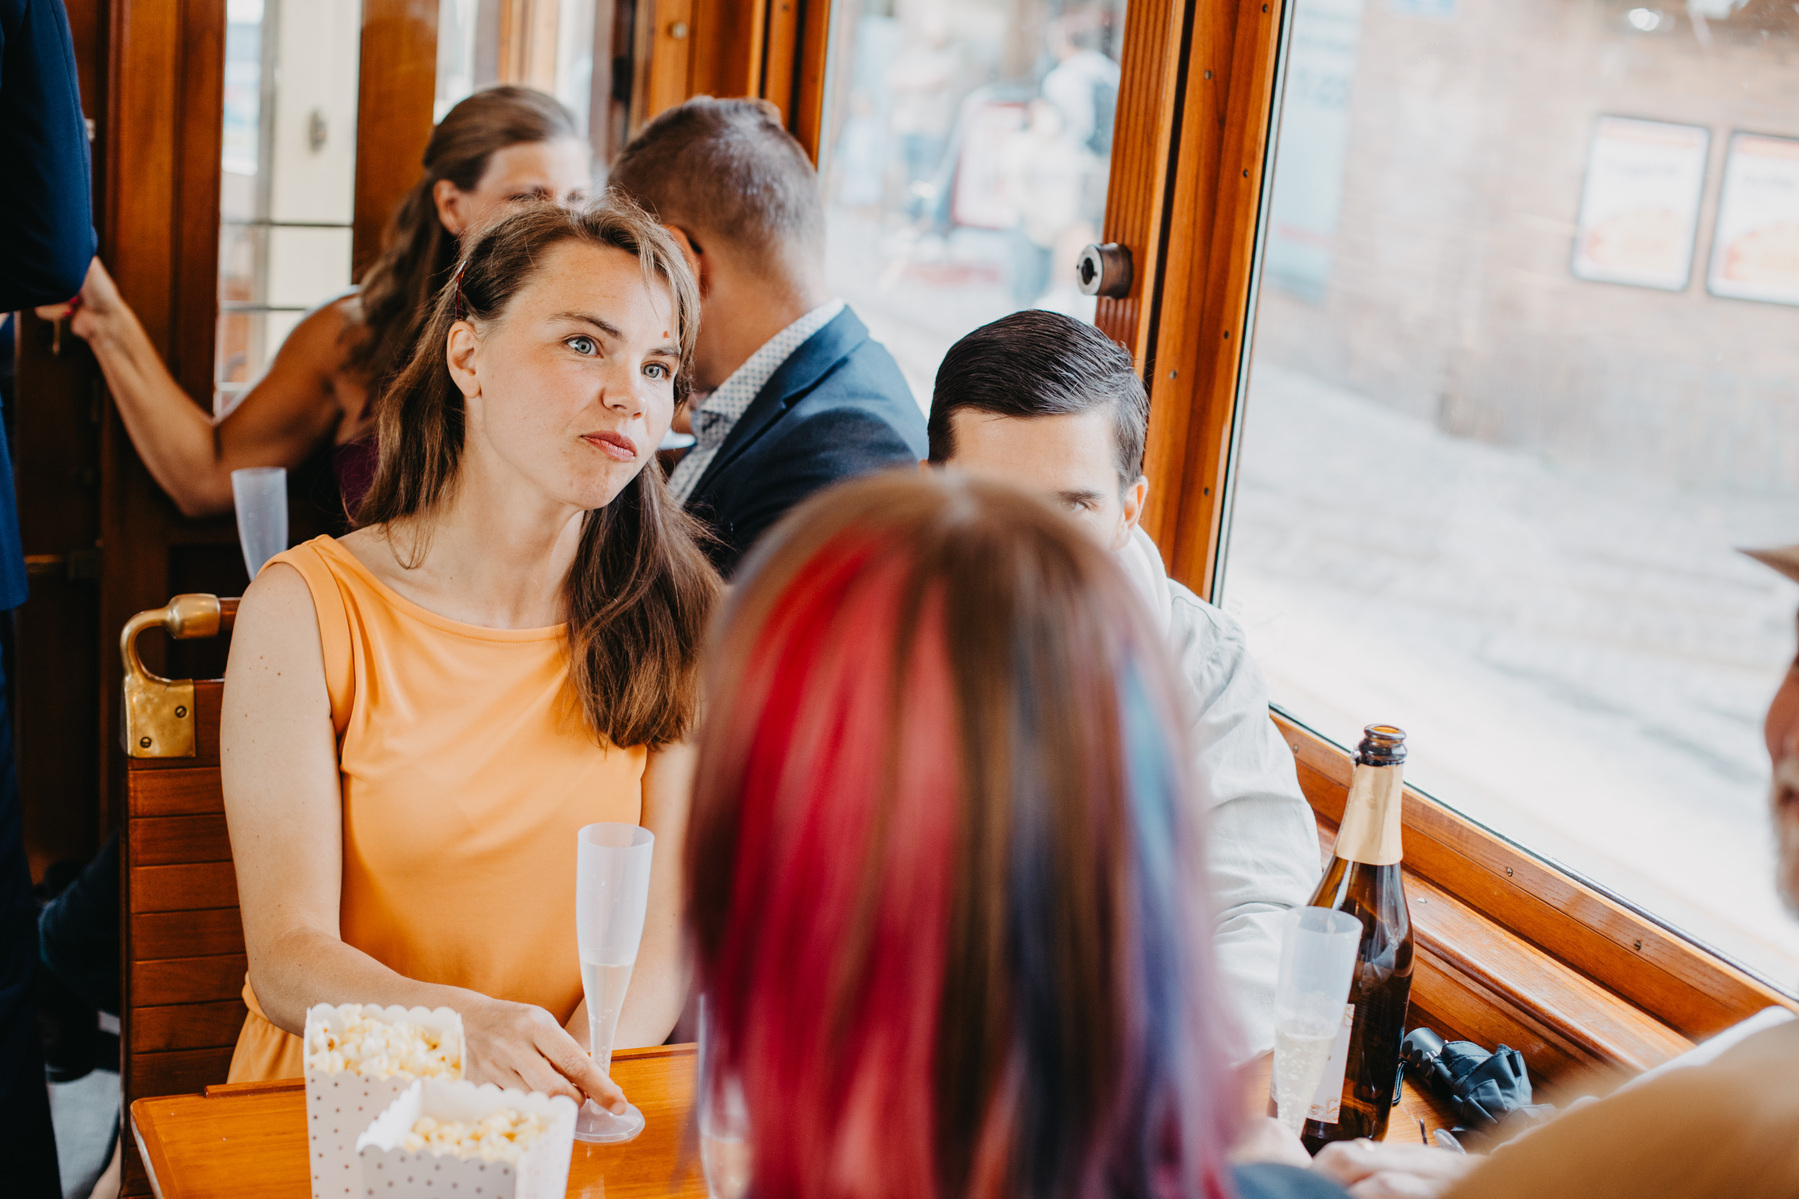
{"points": [[661, 372], [583, 345]]}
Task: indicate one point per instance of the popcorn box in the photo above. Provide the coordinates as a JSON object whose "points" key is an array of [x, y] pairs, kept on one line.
{"points": [[341, 1101], [391, 1171]]}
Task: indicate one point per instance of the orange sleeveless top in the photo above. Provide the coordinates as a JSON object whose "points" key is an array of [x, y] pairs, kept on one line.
{"points": [[467, 770]]}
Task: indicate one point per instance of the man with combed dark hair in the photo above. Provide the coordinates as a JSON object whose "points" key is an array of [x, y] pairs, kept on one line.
{"points": [[1052, 405], [790, 392]]}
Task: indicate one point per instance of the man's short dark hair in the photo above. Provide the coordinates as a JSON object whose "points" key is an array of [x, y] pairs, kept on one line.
{"points": [[1038, 363], [726, 169]]}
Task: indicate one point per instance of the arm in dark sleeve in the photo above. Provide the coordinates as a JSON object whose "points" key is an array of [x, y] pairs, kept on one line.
{"points": [[46, 207], [839, 444]]}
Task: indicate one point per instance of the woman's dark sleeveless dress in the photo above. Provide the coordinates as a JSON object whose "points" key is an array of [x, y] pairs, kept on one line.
{"points": [[353, 463]]}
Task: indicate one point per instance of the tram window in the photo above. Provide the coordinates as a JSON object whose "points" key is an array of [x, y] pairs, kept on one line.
{"points": [[286, 191], [1525, 370], [965, 152]]}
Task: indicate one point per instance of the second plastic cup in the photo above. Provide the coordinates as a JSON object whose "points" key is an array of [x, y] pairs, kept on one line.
{"points": [[1318, 952], [260, 496]]}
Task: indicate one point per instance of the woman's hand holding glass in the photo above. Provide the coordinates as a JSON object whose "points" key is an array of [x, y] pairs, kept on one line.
{"points": [[521, 1045]]}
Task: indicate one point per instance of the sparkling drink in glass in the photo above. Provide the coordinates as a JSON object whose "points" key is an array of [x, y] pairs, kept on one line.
{"points": [[1318, 953], [612, 893]]}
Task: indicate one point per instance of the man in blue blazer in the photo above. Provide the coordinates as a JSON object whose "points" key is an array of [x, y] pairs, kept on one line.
{"points": [[790, 392], [46, 243]]}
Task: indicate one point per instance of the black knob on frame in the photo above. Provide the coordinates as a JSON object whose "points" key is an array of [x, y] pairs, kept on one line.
{"points": [[1105, 270]]}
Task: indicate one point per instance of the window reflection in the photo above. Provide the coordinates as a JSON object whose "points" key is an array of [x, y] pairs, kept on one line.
{"points": [[286, 192], [966, 152], [1525, 371]]}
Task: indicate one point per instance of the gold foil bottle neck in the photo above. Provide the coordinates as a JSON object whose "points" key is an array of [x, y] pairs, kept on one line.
{"points": [[1370, 832]]}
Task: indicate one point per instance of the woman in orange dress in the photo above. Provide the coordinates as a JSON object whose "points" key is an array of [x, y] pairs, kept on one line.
{"points": [[419, 716]]}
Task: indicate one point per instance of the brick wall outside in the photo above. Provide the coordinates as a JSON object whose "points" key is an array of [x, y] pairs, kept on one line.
{"points": [[1450, 296]]}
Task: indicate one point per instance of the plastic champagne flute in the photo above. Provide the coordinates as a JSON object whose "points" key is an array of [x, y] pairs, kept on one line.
{"points": [[259, 493], [1318, 952], [612, 892], [724, 1122]]}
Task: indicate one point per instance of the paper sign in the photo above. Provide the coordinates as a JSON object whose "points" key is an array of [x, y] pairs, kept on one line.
{"points": [[1755, 252], [1639, 210]]}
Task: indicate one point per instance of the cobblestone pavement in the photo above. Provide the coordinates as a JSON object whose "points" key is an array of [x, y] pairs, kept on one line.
{"points": [[1581, 659]]}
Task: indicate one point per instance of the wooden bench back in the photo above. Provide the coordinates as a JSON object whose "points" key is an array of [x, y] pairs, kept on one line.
{"points": [[182, 937]]}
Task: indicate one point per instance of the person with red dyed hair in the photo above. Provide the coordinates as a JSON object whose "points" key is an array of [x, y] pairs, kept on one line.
{"points": [[938, 866]]}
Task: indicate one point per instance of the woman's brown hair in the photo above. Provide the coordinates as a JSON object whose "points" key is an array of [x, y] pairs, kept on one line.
{"points": [[640, 590], [417, 251]]}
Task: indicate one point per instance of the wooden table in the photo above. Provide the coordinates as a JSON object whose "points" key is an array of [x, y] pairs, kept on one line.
{"points": [[249, 1141]]}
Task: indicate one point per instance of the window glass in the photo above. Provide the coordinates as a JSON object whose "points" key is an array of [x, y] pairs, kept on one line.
{"points": [[1525, 370], [286, 191], [966, 149]]}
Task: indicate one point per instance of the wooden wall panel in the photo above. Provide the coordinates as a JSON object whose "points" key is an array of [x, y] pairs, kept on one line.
{"points": [[192, 1025], [201, 933], [396, 87], [182, 887], [182, 953]]}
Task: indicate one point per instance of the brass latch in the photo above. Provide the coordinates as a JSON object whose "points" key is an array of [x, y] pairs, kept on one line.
{"points": [[158, 713]]}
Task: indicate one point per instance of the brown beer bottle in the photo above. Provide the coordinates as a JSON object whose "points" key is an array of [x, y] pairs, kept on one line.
{"points": [[1364, 880]]}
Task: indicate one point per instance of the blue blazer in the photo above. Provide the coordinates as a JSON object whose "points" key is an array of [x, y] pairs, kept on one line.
{"points": [[45, 207], [837, 408], [46, 213]]}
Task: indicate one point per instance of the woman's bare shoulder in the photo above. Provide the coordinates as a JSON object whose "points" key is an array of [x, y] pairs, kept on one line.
{"points": [[276, 628]]}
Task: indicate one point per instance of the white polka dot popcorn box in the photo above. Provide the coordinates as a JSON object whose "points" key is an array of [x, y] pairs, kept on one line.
{"points": [[358, 1059], [456, 1140]]}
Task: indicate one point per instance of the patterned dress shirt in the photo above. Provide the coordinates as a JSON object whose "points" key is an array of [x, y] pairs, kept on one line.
{"points": [[720, 411]]}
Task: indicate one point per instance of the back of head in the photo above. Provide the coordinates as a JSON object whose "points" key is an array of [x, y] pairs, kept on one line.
{"points": [[1036, 363], [944, 894], [728, 169], [417, 251]]}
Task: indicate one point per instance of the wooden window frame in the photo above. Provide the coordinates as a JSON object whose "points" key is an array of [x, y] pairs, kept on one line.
{"points": [[771, 49], [1512, 948]]}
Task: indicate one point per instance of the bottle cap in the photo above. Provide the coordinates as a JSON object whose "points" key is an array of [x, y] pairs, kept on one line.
{"points": [[1382, 745]]}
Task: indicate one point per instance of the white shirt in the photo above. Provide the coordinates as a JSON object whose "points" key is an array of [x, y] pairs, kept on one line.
{"points": [[719, 412], [1262, 853]]}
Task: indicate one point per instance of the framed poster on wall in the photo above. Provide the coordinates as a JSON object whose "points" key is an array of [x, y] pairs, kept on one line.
{"points": [[1639, 209], [1755, 251]]}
